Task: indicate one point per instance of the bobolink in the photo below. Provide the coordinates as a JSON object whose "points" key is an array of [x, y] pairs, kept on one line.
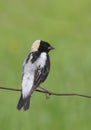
{"points": [[35, 70]]}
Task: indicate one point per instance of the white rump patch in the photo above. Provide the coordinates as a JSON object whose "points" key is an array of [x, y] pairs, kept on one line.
{"points": [[27, 84]]}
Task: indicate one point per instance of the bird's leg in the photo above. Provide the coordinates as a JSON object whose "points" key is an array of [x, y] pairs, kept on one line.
{"points": [[41, 88], [47, 94]]}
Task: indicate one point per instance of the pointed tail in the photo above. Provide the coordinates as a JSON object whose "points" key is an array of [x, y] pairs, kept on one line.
{"points": [[23, 103]]}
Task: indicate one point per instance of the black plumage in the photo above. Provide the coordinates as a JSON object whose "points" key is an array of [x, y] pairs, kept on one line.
{"points": [[40, 72]]}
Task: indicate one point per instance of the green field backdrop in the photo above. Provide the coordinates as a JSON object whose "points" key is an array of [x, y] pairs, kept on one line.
{"points": [[66, 24]]}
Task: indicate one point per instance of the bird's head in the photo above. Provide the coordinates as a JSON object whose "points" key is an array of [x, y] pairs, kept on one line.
{"points": [[41, 46]]}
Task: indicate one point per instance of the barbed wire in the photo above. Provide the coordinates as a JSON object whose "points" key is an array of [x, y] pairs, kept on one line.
{"points": [[45, 91]]}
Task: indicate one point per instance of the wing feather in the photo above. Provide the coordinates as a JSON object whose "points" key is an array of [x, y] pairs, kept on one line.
{"points": [[41, 73]]}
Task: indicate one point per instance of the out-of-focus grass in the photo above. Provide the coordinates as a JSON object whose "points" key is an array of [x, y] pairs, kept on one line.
{"points": [[67, 26]]}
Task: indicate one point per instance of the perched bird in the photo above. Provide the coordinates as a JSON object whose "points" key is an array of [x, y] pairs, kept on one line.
{"points": [[35, 70]]}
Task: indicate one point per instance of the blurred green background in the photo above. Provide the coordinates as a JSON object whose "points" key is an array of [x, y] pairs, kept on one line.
{"points": [[67, 26]]}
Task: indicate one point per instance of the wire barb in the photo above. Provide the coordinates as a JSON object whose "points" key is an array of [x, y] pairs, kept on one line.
{"points": [[45, 91]]}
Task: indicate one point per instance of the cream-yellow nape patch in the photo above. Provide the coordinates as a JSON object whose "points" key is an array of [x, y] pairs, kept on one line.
{"points": [[35, 45]]}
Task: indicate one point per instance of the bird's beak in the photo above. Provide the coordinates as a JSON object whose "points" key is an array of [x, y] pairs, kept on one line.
{"points": [[51, 48]]}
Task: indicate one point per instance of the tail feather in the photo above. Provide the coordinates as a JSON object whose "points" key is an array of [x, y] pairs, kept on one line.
{"points": [[23, 103]]}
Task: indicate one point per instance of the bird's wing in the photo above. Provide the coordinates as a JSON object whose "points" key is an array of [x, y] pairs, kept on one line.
{"points": [[41, 74]]}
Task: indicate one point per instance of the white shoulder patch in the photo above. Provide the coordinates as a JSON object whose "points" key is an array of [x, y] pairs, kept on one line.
{"points": [[42, 60]]}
